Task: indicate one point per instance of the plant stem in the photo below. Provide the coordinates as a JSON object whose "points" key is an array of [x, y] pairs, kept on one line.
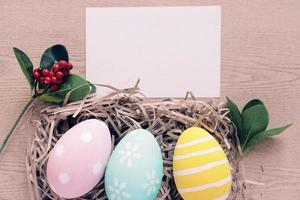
{"points": [[15, 124]]}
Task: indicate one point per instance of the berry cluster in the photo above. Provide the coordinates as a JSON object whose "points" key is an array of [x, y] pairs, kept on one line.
{"points": [[54, 77]]}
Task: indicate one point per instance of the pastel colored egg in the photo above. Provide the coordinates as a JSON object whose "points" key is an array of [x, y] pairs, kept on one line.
{"points": [[135, 168], [200, 167], [77, 162]]}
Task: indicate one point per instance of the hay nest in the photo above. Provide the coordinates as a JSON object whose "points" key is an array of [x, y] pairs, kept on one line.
{"points": [[123, 111]]}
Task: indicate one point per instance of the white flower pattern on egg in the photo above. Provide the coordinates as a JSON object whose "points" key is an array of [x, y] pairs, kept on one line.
{"points": [[152, 182], [118, 190], [129, 154]]}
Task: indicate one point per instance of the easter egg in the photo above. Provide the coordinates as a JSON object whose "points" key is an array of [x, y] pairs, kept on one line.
{"points": [[135, 168], [200, 167], [77, 161]]}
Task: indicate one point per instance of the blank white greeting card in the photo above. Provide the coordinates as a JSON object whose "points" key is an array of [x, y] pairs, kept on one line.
{"points": [[171, 50]]}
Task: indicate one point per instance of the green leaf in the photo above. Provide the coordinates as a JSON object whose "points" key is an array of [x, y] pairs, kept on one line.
{"points": [[80, 92], [74, 88], [51, 99], [52, 55], [252, 103], [235, 115], [26, 66], [255, 119], [263, 135]]}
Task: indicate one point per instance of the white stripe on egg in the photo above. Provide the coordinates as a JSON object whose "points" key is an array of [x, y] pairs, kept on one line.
{"points": [[194, 142], [207, 186], [198, 153], [199, 169]]}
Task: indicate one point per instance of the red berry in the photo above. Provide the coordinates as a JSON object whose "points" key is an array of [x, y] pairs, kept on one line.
{"points": [[55, 68], [51, 74], [66, 72], [59, 74], [70, 66], [47, 80], [53, 79], [59, 80], [45, 72], [62, 64], [42, 80], [53, 87], [36, 70], [36, 75]]}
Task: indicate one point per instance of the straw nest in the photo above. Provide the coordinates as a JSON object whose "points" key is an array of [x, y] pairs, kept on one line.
{"points": [[123, 111]]}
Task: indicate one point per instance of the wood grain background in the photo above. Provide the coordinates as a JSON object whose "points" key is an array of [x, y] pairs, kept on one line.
{"points": [[260, 59]]}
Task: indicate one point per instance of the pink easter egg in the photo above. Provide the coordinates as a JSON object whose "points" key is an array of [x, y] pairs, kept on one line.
{"points": [[78, 160]]}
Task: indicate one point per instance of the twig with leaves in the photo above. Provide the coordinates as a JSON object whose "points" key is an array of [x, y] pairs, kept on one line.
{"points": [[51, 82]]}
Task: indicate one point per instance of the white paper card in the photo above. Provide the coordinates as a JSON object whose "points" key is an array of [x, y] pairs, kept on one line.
{"points": [[171, 50]]}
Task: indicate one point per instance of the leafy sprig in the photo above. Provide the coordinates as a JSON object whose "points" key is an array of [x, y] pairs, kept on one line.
{"points": [[251, 124], [73, 88]]}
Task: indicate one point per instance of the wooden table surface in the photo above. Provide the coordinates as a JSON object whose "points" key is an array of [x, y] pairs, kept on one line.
{"points": [[260, 59]]}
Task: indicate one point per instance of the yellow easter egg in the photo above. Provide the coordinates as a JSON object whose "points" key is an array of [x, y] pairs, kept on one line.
{"points": [[200, 167]]}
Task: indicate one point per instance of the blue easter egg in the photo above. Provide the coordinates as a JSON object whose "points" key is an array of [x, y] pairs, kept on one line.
{"points": [[135, 168]]}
